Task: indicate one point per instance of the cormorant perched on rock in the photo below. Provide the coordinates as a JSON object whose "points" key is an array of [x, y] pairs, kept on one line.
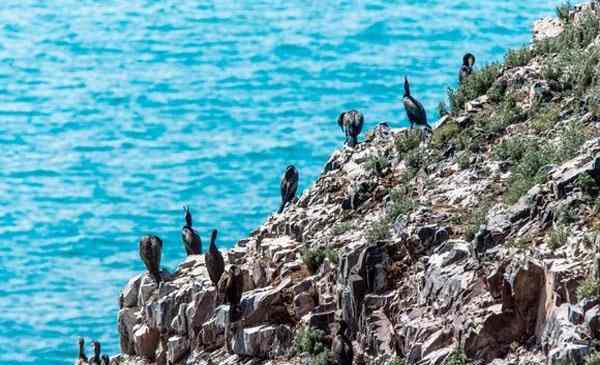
{"points": [[351, 123], [82, 359], [342, 346], [289, 186], [231, 286], [215, 265], [414, 109], [466, 68], [190, 238], [96, 359], [150, 252]]}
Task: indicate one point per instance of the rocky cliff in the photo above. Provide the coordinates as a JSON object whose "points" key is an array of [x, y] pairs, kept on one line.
{"points": [[474, 244]]}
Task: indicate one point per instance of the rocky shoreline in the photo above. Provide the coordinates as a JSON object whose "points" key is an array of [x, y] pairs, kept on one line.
{"points": [[475, 244]]}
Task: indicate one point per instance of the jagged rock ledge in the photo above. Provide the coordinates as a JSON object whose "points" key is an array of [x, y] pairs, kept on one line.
{"points": [[431, 246]]}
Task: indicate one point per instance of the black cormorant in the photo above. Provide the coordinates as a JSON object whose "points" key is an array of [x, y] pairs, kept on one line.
{"points": [[215, 265], [96, 359], [414, 109], [82, 359], [466, 68], [150, 252], [230, 287], [190, 238], [342, 346], [351, 123], [289, 186]]}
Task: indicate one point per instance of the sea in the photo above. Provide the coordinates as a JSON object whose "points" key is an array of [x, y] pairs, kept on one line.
{"points": [[116, 114]]}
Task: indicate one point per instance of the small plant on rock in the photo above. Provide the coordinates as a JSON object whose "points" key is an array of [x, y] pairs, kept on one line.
{"points": [[379, 231], [528, 171], [571, 139], [508, 113], [521, 243], [596, 206], [546, 118], [401, 204], [407, 141], [313, 258], [311, 340], [341, 228], [464, 160], [512, 149], [593, 101], [593, 358], [558, 237], [457, 357], [586, 183], [475, 221], [397, 361], [444, 134], [589, 289], [376, 164], [518, 57]]}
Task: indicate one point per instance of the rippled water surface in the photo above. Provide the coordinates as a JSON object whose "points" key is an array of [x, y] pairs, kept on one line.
{"points": [[114, 114]]}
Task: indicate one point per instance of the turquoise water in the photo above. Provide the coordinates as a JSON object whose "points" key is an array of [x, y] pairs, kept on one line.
{"points": [[114, 114]]}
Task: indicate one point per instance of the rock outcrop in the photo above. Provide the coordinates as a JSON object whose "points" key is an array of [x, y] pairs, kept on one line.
{"points": [[426, 245]]}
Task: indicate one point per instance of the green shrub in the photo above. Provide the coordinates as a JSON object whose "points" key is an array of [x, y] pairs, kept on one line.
{"points": [[457, 357], [587, 29], [593, 358], [474, 86], [408, 141], [596, 206], [313, 258], [397, 361], [589, 289], [593, 101], [444, 134], [341, 228], [415, 159], [379, 231], [526, 173], [508, 113], [570, 140], [464, 160], [558, 237], [566, 215], [518, 57], [376, 164], [563, 10], [574, 36], [546, 118], [401, 204], [457, 219], [512, 149], [521, 243], [311, 340], [586, 183], [577, 76], [478, 218]]}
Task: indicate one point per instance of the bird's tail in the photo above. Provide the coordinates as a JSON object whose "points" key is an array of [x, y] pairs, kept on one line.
{"points": [[281, 207]]}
